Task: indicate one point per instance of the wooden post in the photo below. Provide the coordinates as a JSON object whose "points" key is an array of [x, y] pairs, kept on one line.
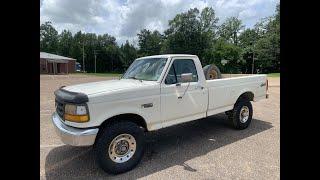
{"points": [[54, 68], [47, 66]]}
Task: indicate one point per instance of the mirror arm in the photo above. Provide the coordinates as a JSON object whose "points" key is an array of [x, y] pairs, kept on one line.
{"points": [[180, 97]]}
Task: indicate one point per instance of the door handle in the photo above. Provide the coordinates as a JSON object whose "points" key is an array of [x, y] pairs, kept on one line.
{"points": [[201, 87]]}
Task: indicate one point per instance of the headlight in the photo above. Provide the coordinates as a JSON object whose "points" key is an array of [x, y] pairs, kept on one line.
{"points": [[76, 113]]}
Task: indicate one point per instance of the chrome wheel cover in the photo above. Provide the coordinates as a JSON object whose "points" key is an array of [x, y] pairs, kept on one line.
{"points": [[122, 148], [244, 114]]}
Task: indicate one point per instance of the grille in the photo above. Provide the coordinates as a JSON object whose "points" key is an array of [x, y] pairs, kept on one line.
{"points": [[60, 109]]}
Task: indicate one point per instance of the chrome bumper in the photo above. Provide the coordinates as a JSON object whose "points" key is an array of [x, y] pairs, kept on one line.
{"points": [[74, 136]]}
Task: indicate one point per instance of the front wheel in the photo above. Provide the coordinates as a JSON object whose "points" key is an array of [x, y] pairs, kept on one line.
{"points": [[120, 147], [241, 114]]}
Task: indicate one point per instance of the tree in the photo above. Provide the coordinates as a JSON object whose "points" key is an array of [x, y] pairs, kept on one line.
{"points": [[268, 46], [76, 47], [248, 37], [48, 38], [129, 54], [149, 42], [100, 45], [184, 34], [230, 30], [106, 39], [65, 43], [114, 58], [208, 21], [191, 32], [224, 50], [247, 40]]}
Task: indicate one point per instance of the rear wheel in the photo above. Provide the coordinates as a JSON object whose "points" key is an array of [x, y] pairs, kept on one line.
{"points": [[241, 114], [119, 148]]}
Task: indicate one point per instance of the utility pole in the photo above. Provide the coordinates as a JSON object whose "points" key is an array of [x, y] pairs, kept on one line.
{"points": [[252, 62], [83, 56], [95, 60], [252, 59]]}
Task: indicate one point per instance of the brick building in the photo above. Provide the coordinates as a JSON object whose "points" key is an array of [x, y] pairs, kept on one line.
{"points": [[55, 64]]}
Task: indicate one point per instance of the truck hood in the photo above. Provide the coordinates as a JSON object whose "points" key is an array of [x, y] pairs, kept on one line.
{"points": [[108, 86]]}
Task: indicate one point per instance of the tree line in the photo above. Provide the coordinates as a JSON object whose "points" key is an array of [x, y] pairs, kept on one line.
{"points": [[231, 46]]}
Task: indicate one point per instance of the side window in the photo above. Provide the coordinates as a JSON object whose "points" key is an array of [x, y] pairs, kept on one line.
{"points": [[171, 76], [181, 66], [185, 66]]}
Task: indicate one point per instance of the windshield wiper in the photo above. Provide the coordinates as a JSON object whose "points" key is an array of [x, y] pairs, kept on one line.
{"points": [[132, 77]]}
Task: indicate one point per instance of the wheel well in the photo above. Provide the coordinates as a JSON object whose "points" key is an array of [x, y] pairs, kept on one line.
{"points": [[126, 117], [246, 96]]}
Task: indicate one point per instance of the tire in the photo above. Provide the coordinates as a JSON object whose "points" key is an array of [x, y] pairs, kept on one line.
{"points": [[235, 118], [114, 133], [228, 113], [211, 71]]}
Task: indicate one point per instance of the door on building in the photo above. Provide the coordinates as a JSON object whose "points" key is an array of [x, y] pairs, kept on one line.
{"points": [[50, 68], [59, 68]]}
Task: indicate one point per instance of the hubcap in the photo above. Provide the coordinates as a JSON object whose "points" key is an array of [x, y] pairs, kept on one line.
{"points": [[122, 148], [244, 114]]}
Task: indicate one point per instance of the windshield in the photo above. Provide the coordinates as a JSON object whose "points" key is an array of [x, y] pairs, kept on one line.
{"points": [[148, 69]]}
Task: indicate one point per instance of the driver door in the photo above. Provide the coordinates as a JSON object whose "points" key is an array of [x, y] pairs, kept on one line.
{"points": [[181, 102]]}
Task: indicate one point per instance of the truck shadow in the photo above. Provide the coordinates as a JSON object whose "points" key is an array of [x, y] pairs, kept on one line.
{"points": [[165, 148]]}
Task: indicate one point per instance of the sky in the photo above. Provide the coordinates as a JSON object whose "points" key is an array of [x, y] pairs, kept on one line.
{"points": [[123, 19]]}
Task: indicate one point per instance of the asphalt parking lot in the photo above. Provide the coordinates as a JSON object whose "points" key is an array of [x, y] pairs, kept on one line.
{"points": [[204, 149]]}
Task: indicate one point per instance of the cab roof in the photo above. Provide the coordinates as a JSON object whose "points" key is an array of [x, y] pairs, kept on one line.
{"points": [[168, 56]]}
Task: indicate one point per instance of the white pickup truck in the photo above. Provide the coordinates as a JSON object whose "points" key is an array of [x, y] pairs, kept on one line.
{"points": [[154, 93]]}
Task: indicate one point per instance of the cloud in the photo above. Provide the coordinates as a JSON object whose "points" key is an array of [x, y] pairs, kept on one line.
{"points": [[155, 15], [125, 18]]}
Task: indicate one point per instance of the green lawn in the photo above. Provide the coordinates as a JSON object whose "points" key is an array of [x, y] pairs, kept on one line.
{"points": [[102, 74], [274, 75]]}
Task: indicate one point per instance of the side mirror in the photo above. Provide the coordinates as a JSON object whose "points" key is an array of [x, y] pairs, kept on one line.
{"points": [[186, 77]]}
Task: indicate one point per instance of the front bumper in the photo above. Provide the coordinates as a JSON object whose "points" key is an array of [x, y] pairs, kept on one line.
{"points": [[74, 136]]}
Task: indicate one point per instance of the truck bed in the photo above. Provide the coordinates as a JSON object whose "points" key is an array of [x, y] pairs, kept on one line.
{"points": [[223, 93]]}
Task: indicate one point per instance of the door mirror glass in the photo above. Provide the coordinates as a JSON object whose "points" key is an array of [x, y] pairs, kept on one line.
{"points": [[186, 77]]}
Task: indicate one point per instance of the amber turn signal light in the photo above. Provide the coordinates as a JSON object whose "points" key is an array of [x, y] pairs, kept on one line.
{"points": [[76, 118]]}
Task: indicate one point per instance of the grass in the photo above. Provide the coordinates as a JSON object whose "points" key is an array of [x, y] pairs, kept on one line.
{"points": [[102, 74], [274, 75]]}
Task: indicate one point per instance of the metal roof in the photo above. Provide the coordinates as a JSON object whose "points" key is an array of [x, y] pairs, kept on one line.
{"points": [[45, 55]]}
